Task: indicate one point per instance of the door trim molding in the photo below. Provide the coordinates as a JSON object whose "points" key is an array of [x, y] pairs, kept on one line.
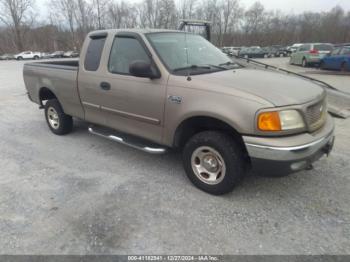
{"points": [[132, 116]]}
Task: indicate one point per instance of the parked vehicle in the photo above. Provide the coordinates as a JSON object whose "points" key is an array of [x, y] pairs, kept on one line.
{"points": [[28, 55], [292, 49], [275, 51], [45, 55], [6, 57], [71, 54], [253, 52], [161, 92], [338, 59], [310, 54], [231, 51], [57, 54]]}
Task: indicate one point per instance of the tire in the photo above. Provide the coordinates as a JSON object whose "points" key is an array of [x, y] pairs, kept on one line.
{"points": [[291, 61], [58, 122], [343, 67], [304, 63], [322, 66], [19, 58], [213, 148], [266, 56]]}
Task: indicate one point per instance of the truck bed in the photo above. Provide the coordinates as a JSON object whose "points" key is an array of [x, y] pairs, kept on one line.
{"points": [[61, 64], [60, 77]]}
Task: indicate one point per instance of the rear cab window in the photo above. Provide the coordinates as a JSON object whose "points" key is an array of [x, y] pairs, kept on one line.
{"points": [[94, 52]]}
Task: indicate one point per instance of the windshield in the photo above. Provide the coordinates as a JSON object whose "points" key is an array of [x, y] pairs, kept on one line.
{"points": [[181, 53]]}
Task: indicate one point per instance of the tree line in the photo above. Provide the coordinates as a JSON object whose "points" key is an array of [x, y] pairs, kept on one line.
{"points": [[68, 22]]}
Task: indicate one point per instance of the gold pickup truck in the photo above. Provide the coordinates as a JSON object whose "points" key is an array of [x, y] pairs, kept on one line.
{"points": [[159, 89]]}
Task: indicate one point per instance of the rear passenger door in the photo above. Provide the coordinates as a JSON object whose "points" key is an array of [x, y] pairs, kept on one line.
{"points": [[332, 60], [90, 78], [301, 53]]}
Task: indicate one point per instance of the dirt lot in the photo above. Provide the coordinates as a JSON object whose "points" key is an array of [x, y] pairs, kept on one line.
{"points": [[82, 194]]}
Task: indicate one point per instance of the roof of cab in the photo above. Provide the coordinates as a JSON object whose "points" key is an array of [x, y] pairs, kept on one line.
{"points": [[134, 30]]}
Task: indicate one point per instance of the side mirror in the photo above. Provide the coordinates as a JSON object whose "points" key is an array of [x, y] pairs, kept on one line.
{"points": [[142, 68]]}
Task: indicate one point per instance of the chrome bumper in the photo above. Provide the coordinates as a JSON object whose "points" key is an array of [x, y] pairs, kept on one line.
{"points": [[294, 152]]}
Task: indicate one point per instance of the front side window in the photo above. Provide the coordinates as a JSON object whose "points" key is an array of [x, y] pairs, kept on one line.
{"points": [[335, 52], [93, 53], [126, 50], [184, 52]]}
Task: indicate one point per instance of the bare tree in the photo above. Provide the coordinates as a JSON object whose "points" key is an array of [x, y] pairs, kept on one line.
{"points": [[14, 14], [100, 7], [64, 11]]}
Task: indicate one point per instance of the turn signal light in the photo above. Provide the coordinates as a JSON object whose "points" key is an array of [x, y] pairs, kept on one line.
{"points": [[269, 121]]}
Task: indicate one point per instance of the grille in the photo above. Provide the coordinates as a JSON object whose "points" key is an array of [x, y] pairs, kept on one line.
{"points": [[316, 115]]}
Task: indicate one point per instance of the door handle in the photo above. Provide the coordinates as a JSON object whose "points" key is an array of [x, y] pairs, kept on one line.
{"points": [[105, 85]]}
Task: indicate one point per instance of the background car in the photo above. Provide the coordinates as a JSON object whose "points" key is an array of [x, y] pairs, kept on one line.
{"points": [[276, 51], [45, 55], [57, 54], [293, 48], [6, 57], [253, 52], [71, 54], [27, 55], [338, 59], [310, 54]]}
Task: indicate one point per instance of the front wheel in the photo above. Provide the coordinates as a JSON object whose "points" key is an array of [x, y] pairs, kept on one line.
{"points": [[58, 122], [343, 67], [214, 162]]}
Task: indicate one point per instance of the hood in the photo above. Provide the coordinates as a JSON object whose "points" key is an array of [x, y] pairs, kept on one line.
{"points": [[277, 88]]}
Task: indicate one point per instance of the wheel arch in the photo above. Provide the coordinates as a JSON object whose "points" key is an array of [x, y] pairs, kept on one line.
{"points": [[45, 94], [195, 124]]}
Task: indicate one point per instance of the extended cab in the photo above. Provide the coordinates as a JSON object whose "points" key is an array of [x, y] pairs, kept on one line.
{"points": [[159, 89]]}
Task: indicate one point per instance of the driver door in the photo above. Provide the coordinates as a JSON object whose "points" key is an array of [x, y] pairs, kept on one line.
{"points": [[134, 105]]}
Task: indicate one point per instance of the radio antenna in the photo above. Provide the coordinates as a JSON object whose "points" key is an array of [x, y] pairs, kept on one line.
{"points": [[187, 58]]}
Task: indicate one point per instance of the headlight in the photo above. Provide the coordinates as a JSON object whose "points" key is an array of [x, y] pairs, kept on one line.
{"points": [[280, 120]]}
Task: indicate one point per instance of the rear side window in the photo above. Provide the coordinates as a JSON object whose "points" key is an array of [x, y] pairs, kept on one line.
{"points": [[345, 51], [335, 51], [305, 48], [125, 50], [324, 47], [94, 52]]}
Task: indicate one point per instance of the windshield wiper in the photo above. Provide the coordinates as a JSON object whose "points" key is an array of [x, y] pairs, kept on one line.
{"points": [[228, 64], [192, 67], [218, 66]]}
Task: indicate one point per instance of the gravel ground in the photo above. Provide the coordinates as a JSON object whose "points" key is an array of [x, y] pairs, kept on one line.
{"points": [[81, 194]]}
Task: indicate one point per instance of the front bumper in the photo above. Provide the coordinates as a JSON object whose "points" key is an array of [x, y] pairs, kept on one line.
{"points": [[285, 155]]}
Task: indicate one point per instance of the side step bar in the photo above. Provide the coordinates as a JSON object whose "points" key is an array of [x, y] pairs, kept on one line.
{"points": [[131, 141]]}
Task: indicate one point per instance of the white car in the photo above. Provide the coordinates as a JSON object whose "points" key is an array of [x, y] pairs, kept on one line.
{"points": [[28, 55]]}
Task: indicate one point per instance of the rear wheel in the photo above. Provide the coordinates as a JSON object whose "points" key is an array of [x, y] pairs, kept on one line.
{"points": [[213, 162], [58, 122], [19, 58], [304, 63]]}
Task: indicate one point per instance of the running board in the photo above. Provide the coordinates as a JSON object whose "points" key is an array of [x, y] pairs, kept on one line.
{"points": [[128, 140]]}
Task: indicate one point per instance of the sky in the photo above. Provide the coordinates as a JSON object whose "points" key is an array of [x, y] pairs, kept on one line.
{"points": [[286, 6], [299, 6]]}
